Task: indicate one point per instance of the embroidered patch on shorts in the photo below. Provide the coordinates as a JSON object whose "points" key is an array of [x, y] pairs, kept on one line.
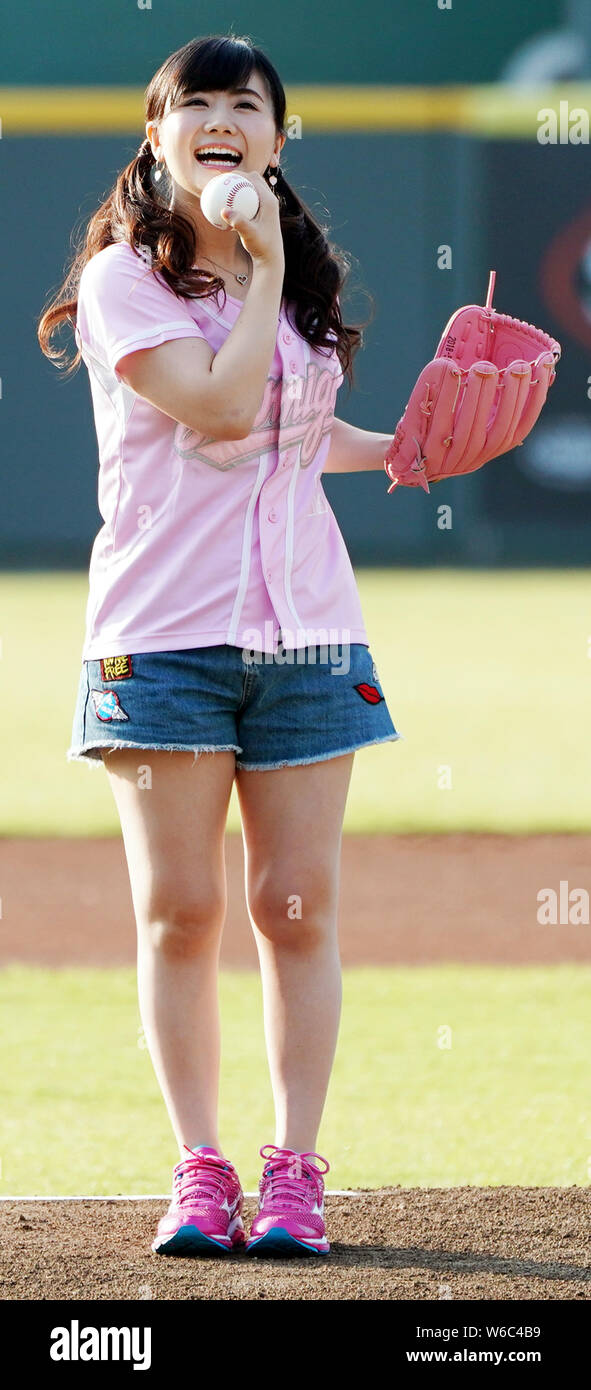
{"points": [[369, 693], [116, 668], [107, 706], [374, 672]]}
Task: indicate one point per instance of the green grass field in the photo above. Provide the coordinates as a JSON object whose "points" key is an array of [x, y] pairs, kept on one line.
{"points": [[506, 1103], [486, 673]]}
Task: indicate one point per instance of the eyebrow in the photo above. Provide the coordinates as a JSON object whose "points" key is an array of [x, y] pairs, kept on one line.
{"points": [[237, 91]]}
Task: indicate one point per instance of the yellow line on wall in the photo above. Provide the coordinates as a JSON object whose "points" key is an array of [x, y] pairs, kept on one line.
{"points": [[488, 110]]}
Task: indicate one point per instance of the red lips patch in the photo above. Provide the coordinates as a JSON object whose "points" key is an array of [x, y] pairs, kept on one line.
{"points": [[369, 693]]}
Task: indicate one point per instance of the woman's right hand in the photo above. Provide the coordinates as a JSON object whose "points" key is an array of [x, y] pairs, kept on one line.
{"points": [[260, 235]]}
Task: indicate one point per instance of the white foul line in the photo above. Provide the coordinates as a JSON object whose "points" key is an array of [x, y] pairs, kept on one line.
{"points": [[165, 1196]]}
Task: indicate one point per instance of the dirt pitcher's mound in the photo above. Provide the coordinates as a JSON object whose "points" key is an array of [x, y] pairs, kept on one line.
{"points": [[388, 1243]]}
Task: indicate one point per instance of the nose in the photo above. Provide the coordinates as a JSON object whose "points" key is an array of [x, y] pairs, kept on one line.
{"points": [[213, 127], [220, 119]]}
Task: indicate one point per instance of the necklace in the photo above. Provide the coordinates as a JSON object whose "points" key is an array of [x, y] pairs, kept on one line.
{"points": [[242, 279]]}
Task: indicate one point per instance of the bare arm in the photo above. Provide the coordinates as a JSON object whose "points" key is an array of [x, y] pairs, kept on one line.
{"points": [[355, 451], [219, 394], [240, 368]]}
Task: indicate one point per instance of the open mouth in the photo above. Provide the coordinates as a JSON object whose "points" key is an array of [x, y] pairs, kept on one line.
{"points": [[217, 160]]}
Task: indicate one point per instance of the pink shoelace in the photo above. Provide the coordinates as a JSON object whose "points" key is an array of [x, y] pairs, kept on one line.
{"points": [[287, 1176], [198, 1179]]}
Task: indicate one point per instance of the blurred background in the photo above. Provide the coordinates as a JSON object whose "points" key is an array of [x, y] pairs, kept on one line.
{"points": [[419, 154], [430, 115]]}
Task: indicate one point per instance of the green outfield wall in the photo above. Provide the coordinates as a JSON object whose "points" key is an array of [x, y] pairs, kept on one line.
{"points": [[426, 187]]}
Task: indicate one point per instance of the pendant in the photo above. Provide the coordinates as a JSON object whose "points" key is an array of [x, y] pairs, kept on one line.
{"points": [[242, 279]]}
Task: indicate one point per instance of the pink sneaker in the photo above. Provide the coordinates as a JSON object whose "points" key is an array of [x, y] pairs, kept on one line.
{"points": [[290, 1216], [205, 1212]]}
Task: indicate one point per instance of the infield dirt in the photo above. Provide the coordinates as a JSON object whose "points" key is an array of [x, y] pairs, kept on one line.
{"points": [[403, 899], [390, 1243]]}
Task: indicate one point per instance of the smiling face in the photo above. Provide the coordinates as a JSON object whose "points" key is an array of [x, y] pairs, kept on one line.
{"points": [[241, 120]]}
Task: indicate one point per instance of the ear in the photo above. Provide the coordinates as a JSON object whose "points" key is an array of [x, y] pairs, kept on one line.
{"points": [[152, 136]]}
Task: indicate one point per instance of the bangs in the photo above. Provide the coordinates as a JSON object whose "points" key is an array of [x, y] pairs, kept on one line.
{"points": [[213, 65]]}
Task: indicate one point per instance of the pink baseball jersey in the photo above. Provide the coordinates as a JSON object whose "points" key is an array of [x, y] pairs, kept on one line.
{"points": [[206, 541]]}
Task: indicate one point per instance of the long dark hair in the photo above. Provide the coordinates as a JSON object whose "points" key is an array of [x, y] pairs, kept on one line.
{"points": [[315, 269]]}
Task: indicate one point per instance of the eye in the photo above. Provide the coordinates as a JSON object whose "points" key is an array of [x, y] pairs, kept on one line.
{"points": [[193, 102]]}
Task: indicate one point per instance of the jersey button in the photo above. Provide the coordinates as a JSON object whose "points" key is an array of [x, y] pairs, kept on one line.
{"points": [[269, 576], [287, 337], [272, 515]]}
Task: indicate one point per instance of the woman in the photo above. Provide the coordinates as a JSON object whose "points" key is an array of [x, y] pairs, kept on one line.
{"points": [[214, 424]]}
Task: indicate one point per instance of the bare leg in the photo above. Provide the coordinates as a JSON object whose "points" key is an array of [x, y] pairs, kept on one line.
{"points": [[292, 823], [173, 834]]}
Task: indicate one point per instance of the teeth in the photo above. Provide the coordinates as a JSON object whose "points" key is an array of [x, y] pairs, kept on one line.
{"points": [[213, 151]]}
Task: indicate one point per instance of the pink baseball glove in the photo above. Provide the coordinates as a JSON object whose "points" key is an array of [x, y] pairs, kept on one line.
{"points": [[479, 397]]}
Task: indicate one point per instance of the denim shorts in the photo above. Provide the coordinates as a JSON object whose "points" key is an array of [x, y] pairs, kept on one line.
{"points": [[274, 709]]}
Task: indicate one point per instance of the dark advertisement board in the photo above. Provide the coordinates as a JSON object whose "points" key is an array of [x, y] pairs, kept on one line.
{"points": [[538, 235]]}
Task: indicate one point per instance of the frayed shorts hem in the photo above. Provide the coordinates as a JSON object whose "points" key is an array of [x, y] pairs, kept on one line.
{"points": [[88, 755], [317, 757], [91, 755]]}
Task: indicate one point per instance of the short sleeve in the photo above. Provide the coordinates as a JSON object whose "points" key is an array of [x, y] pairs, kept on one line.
{"points": [[124, 306]]}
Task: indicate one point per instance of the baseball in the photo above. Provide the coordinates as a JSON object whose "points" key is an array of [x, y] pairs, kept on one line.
{"points": [[229, 191]]}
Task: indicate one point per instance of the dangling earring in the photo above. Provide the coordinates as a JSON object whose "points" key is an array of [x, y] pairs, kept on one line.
{"points": [[157, 172], [273, 178]]}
